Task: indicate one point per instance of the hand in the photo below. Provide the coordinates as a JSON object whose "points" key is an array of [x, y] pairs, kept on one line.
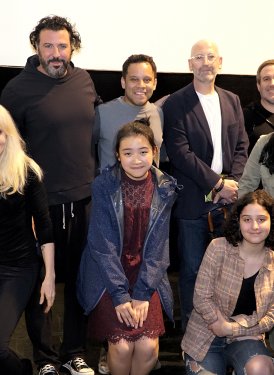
{"points": [[126, 314], [221, 327], [141, 310], [229, 192], [47, 293]]}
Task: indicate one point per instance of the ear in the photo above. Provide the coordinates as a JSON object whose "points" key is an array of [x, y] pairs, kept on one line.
{"points": [[155, 151], [220, 62], [190, 65], [117, 156], [123, 83], [155, 84]]}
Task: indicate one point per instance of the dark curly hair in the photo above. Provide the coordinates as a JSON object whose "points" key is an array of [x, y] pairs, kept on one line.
{"points": [[55, 23], [133, 59], [232, 225]]}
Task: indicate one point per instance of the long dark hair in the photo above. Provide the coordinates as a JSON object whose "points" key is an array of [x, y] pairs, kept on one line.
{"points": [[232, 230]]}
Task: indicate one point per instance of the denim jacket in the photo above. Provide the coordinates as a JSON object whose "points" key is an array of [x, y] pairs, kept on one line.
{"points": [[100, 267]]}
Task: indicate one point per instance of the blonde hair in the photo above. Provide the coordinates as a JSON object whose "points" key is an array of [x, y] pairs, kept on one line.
{"points": [[14, 162]]}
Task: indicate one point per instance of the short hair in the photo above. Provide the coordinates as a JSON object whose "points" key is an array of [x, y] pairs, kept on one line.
{"points": [[137, 127], [55, 23], [264, 64], [232, 230], [133, 59]]}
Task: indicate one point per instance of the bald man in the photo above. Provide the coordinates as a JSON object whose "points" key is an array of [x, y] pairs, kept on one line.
{"points": [[207, 145]]}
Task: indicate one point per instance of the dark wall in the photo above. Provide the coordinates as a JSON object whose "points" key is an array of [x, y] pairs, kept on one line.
{"points": [[108, 85]]}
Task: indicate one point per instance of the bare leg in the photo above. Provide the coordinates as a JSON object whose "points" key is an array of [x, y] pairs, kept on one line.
{"points": [[260, 364], [120, 357], [144, 356]]}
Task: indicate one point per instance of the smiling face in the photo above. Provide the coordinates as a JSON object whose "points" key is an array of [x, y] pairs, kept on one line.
{"points": [[207, 66], [139, 83], [266, 86], [255, 224], [136, 156], [54, 51]]}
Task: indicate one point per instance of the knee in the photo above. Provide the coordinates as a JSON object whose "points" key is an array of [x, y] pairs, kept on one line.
{"points": [[121, 350], [148, 349], [260, 364]]}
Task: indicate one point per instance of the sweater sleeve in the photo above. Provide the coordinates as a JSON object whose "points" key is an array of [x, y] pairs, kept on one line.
{"points": [[37, 201], [251, 177]]}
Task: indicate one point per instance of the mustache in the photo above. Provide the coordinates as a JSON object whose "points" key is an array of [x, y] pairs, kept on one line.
{"points": [[57, 59]]}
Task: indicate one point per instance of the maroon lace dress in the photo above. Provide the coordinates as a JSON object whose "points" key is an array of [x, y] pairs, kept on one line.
{"points": [[103, 321]]}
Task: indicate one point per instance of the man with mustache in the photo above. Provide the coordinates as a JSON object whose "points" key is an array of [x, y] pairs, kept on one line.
{"points": [[207, 144], [52, 103]]}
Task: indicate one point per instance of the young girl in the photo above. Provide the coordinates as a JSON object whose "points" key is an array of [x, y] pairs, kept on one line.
{"points": [[22, 199], [123, 279], [234, 299]]}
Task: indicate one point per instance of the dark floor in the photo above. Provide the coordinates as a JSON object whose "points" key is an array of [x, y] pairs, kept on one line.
{"points": [[170, 354]]}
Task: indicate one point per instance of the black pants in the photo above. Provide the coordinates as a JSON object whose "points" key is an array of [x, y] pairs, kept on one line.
{"points": [[16, 286], [70, 225]]}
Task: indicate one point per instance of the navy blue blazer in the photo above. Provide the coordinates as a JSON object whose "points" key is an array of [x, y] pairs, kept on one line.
{"points": [[189, 147]]}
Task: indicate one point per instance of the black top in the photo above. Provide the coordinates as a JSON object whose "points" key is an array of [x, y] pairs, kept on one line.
{"points": [[17, 241], [246, 303], [258, 121], [55, 117]]}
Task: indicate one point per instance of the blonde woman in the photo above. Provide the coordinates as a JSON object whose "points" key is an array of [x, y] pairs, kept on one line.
{"points": [[23, 204]]}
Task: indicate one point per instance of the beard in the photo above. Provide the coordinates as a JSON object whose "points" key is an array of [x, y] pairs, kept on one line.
{"points": [[52, 71]]}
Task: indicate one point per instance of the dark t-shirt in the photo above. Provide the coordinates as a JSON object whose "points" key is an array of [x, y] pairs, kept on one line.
{"points": [[17, 240]]}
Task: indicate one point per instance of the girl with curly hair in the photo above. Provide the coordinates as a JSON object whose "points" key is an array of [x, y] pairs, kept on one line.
{"points": [[233, 298]]}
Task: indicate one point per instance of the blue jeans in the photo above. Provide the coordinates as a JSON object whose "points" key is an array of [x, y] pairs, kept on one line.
{"points": [[220, 355], [193, 238]]}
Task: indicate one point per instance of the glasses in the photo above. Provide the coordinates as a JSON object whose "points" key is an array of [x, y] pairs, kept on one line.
{"points": [[201, 58]]}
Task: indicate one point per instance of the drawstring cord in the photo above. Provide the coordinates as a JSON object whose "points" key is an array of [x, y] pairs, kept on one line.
{"points": [[71, 209], [64, 214]]}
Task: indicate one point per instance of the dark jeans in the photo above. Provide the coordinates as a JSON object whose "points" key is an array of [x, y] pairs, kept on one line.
{"points": [[221, 354], [193, 238], [70, 225], [16, 286]]}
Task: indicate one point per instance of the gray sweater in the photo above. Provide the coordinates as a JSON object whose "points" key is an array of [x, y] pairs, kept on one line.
{"points": [[112, 115], [255, 172]]}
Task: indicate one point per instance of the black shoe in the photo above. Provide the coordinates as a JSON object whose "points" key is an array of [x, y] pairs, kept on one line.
{"points": [[77, 366], [48, 369]]}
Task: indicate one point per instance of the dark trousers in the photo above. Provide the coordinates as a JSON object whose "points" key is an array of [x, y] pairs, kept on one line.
{"points": [[70, 225], [16, 286]]}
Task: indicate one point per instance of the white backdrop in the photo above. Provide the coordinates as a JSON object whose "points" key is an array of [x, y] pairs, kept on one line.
{"points": [[111, 30]]}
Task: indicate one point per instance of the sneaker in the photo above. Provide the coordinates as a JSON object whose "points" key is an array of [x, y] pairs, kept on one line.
{"points": [[103, 364], [77, 366], [48, 369]]}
